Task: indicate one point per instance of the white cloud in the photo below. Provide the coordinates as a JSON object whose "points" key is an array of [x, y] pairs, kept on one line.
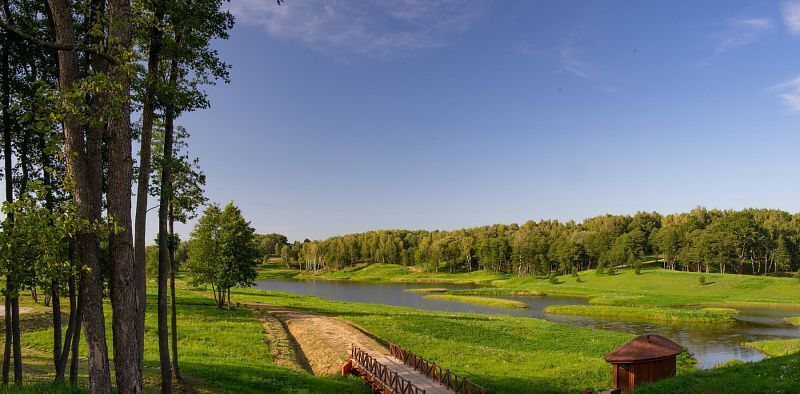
{"points": [[789, 92], [741, 32], [571, 62], [791, 16], [368, 27]]}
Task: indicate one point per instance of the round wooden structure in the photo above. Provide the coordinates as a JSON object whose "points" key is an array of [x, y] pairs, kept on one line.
{"points": [[646, 358]]}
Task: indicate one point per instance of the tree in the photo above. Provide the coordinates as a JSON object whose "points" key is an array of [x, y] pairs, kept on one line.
{"points": [[222, 251]]}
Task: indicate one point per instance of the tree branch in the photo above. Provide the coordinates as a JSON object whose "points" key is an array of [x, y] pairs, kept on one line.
{"points": [[53, 45]]}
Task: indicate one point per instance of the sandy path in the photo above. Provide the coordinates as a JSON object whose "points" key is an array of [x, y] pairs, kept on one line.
{"points": [[22, 310], [324, 342]]}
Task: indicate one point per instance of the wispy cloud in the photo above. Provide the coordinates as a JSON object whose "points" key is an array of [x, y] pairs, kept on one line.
{"points": [[741, 32], [791, 16], [572, 63], [367, 27], [789, 92]]}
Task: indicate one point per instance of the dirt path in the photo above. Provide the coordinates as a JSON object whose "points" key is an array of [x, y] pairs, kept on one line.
{"points": [[320, 344]]}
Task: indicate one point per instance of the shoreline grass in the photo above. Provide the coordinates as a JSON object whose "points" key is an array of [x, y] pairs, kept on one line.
{"points": [[776, 347], [476, 300], [496, 291], [794, 320], [646, 314], [428, 290]]}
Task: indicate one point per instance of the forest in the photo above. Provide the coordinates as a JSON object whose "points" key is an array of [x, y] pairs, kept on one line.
{"points": [[749, 241]]}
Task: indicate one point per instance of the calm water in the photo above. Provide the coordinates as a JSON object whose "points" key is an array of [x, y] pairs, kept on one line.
{"points": [[710, 344]]}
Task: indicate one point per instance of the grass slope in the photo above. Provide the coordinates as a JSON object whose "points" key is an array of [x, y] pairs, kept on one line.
{"points": [[711, 315], [487, 301], [507, 354], [399, 273]]}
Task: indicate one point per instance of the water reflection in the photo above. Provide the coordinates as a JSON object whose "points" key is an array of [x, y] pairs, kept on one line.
{"points": [[710, 344]]}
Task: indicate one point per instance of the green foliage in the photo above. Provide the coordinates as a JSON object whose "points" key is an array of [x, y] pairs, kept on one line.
{"points": [[702, 280], [553, 278], [610, 271], [222, 251]]}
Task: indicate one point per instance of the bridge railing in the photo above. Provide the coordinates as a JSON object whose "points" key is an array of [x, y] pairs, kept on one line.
{"points": [[382, 375], [448, 379]]}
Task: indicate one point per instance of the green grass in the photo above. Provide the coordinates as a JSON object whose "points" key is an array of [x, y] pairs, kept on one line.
{"points": [[507, 354], [427, 290], [794, 320], [647, 314], [486, 301], [773, 375], [220, 350], [776, 347]]}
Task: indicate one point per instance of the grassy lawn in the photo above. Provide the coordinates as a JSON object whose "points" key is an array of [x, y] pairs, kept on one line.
{"points": [[220, 351], [709, 315], [507, 354], [773, 375], [653, 287], [495, 302]]}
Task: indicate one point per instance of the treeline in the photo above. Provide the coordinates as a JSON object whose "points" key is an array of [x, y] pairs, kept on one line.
{"points": [[750, 241]]}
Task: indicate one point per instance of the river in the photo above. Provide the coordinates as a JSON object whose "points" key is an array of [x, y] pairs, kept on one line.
{"points": [[710, 344]]}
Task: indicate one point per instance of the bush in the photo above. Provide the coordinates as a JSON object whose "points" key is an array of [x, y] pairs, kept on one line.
{"points": [[797, 275], [553, 278], [702, 280], [610, 271], [600, 270], [638, 269], [574, 272], [579, 280]]}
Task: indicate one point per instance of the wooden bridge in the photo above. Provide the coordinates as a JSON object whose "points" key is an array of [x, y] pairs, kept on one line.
{"points": [[402, 372]]}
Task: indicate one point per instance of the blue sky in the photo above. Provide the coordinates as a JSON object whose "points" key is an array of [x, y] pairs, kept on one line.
{"points": [[346, 116]]}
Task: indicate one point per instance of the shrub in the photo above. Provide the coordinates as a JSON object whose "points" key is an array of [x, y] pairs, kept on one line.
{"points": [[600, 270], [610, 271], [638, 269], [553, 278], [574, 272], [579, 280], [702, 280]]}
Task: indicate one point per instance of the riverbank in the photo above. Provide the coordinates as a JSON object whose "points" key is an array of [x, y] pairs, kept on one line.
{"points": [[476, 300], [652, 287], [706, 315]]}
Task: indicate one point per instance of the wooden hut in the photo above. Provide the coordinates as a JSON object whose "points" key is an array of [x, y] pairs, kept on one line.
{"points": [[646, 358]]}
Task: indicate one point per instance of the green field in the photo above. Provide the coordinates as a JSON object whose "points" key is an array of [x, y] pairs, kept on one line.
{"points": [[776, 347]]}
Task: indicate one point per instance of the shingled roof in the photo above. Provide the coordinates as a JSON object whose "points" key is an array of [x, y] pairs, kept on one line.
{"points": [[644, 348]]}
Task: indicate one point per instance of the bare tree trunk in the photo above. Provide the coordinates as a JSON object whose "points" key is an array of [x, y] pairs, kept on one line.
{"points": [[145, 157], [7, 345], [163, 252], [175, 369], [76, 336], [6, 59], [54, 297], [16, 339], [85, 197], [124, 301]]}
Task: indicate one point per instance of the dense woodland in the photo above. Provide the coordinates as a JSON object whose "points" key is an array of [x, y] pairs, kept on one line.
{"points": [[81, 82], [751, 241]]}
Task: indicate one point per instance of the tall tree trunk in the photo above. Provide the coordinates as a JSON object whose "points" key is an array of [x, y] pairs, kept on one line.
{"points": [[145, 157], [76, 336], [16, 339], [163, 251], [63, 358], [85, 198], [56, 302], [172, 268], [124, 301], [6, 59]]}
